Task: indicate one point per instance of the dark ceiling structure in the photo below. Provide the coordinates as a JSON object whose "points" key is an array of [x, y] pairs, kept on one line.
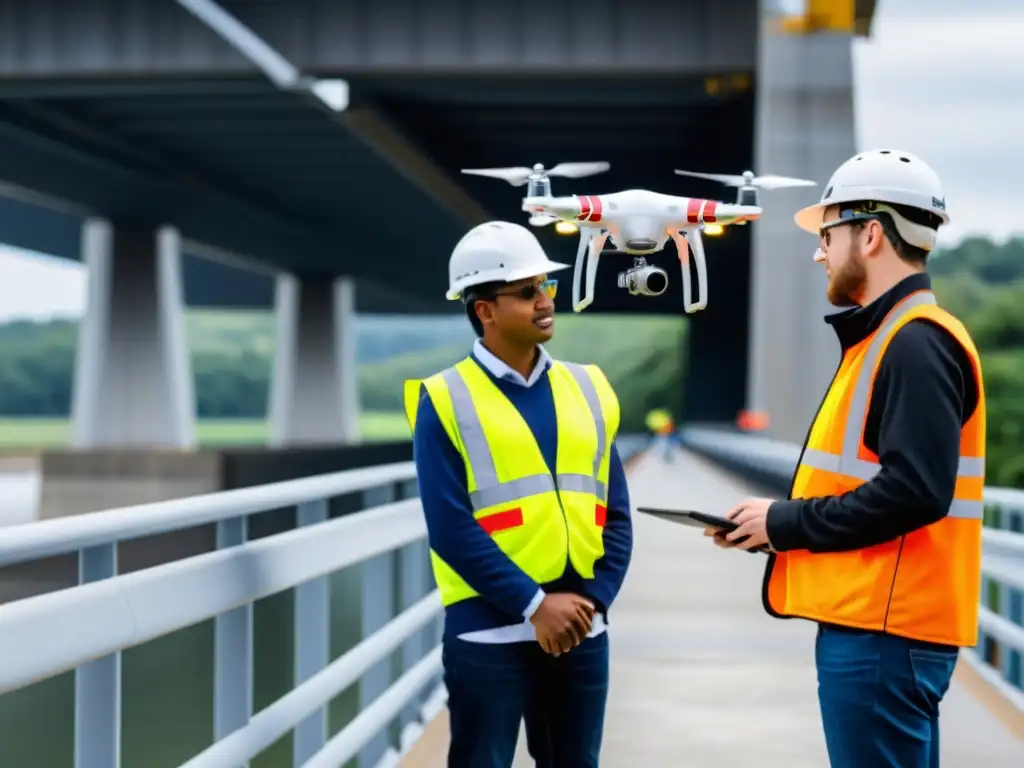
{"points": [[254, 170]]}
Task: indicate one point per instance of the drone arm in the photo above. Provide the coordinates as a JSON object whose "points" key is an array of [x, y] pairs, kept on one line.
{"points": [[684, 249], [593, 261], [591, 245], [579, 304]]}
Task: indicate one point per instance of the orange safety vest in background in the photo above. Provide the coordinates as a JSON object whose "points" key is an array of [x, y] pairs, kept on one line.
{"points": [[924, 585]]}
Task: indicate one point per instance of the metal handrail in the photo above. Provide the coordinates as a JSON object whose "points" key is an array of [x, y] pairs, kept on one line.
{"points": [[1002, 635], [43, 636], [44, 538], [85, 627], [278, 718]]}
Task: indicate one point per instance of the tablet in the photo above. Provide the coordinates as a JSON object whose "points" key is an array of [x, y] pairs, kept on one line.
{"points": [[698, 520], [691, 517]]}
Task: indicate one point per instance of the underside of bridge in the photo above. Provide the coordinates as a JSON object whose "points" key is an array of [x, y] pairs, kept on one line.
{"points": [[375, 194], [260, 172], [251, 173]]}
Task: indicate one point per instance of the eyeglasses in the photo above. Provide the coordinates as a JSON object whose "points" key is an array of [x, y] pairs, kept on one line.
{"points": [[847, 216], [530, 292]]}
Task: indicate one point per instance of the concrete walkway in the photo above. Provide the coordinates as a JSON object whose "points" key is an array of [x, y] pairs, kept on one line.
{"points": [[701, 676]]}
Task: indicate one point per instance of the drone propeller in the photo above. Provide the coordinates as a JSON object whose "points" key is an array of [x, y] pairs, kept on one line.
{"points": [[748, 179], [520, 175]]}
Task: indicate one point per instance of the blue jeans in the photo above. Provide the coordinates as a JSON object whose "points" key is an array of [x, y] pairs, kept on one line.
{"points": [[492, 687], [879, 697]]}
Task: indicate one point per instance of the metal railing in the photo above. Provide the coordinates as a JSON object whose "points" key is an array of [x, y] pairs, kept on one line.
{"points": [[86, 627], [1001, 612]]}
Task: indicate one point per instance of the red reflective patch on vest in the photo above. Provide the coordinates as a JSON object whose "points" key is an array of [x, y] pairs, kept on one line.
{"points": [[601, 516], [502, 521]]}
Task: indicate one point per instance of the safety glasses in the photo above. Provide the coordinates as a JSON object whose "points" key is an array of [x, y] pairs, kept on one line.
{"points": [[847, 216], [530, 292]]}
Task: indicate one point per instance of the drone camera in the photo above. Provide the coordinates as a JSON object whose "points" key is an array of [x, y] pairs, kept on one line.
{"points": [[644, 279]]}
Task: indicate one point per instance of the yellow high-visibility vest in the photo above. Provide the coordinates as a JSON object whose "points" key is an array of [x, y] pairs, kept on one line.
{"points": [[539, 519], [924, 585]]}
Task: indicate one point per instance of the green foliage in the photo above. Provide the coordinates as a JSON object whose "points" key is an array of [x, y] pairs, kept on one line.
{"points": [[642, 357], [1004, 372], [982, 283], [232, 355], [36, 363], [991, 263]]}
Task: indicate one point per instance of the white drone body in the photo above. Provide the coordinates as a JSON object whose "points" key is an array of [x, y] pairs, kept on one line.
{"points": [[637, 222]]}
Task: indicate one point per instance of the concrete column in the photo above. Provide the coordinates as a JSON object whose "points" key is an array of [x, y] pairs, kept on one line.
{"points": [[805, 127], [314, 393], [133, 380]]}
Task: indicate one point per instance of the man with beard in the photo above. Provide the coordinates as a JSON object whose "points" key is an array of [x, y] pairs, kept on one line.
{"points": [[527, 515], [879, 542]]}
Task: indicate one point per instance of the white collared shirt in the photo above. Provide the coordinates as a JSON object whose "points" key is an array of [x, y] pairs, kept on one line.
{"points": [[517, 633], [500, 370]]}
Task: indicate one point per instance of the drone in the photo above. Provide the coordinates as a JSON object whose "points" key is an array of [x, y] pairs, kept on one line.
{"points": [[637, 222], [749, 184]]}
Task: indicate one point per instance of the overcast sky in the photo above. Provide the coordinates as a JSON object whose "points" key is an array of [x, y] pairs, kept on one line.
{"points": [[940, 78]]}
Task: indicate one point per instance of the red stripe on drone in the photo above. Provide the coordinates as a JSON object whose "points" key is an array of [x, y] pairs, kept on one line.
{"points": [[584, 202], [596, 213], [708, 214], [693, 210]]}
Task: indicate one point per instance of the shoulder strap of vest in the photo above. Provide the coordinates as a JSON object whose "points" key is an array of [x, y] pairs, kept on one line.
{"points": [[411, 391], [947, 321], [598, 391]]}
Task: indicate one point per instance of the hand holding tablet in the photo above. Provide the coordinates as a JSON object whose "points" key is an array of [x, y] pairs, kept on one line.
{"points": [[696, 519]]}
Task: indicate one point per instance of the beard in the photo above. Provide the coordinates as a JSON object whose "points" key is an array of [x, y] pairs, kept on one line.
{"points": [[848, 281]]}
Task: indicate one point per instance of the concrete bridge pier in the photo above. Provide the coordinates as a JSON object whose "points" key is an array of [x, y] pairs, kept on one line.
{"points": [[805, 127], [133, 379], [314, 393]]}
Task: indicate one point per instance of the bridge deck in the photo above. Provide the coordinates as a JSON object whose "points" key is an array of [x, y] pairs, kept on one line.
{"points": [[692, 650]]}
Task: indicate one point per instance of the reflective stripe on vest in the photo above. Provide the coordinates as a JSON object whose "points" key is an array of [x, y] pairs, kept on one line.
{"points": [[489, 491], [849, 462]]}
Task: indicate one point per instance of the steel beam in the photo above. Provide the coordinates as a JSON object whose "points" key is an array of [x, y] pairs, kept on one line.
{"points": [[365, 122], [325, 38], [380, 134]]}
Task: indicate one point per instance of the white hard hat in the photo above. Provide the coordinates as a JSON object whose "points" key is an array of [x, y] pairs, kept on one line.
{"points": [[496, 251], [884, 176]]}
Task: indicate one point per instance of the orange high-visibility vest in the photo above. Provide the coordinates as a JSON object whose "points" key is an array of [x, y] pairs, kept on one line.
{"points": [[924, 585]]}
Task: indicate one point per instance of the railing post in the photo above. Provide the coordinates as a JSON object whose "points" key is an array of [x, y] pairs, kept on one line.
{"points": [[232, 656], [413, 563], [433, 633], [312, 641], [985, 643], [1015, 608], [378, 591], [98, 683]]}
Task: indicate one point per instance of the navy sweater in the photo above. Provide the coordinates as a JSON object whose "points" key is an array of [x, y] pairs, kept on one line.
{"points": [[505, 590]]}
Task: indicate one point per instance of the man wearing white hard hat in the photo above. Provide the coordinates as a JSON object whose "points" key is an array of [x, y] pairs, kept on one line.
{"points": [[527, 514], [879, 542]]}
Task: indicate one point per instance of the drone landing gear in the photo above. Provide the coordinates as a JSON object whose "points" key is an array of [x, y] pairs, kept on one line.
{"points": [[591, 245], [683, 246]]}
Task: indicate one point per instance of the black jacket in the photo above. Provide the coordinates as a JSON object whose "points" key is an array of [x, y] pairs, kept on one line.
{"points": [[924, 393]]}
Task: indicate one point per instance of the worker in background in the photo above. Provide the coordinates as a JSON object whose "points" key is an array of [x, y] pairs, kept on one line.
{"points": [[663, 430], [527, 515], [880, 540]]}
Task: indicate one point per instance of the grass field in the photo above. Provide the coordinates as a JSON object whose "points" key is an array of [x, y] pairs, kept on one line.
{"points": [[28, 433]]}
